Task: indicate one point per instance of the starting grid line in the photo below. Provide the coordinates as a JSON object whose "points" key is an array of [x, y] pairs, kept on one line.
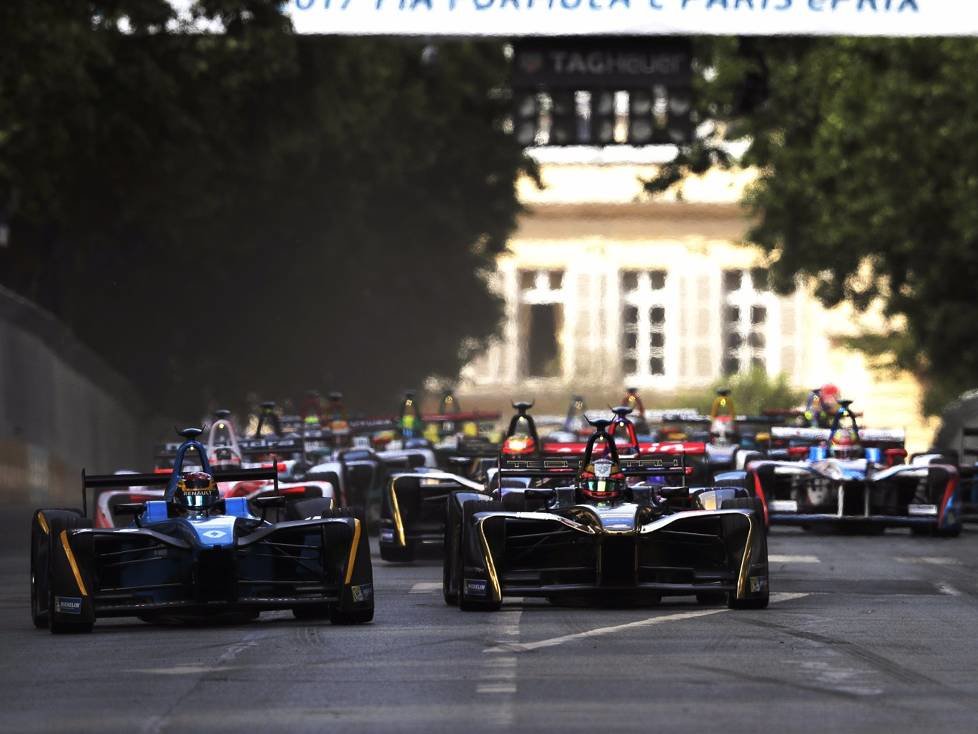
{"points": [[521, 647]]}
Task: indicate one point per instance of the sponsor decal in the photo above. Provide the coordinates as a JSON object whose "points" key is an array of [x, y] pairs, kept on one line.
{"points": [[215, 534], [67, 604], [922, 510], [386, 536], [364, 592], [476, 587], [757, 584]]}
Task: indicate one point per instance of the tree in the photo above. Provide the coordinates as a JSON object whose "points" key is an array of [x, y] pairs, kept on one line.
{"points": [[867, 182], [252, 210]]}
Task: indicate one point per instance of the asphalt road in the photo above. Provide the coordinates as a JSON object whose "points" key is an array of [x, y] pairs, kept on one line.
{"points": [[865, 634]]}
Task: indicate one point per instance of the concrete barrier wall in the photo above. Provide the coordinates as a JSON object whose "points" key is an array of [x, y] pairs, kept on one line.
{"points": [[61, 408]]}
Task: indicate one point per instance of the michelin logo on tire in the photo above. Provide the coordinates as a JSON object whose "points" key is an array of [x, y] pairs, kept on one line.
{"points": [[67, 604]]}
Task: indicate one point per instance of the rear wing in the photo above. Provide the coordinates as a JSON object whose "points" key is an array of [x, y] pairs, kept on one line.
{"points": [[469, 416], [271, 445], [645, 448], [872, 436], [372, 425], [475, 446], [162, 479], [673, 464]]}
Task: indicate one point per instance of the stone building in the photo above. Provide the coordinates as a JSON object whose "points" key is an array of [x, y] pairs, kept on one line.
{"points": [[605, 288]]}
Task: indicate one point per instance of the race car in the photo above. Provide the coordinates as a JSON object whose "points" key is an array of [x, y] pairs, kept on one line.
{"points": [[854, 478], [193, 555], [413, 509], [412, 516], [225, 452], [730, 439], [594, 527], [627, 440]]}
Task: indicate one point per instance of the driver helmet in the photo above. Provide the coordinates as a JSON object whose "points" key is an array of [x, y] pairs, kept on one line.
{"points": [[845, 444], [602, 481], [828, 397], [722, 429], [197, 490]]}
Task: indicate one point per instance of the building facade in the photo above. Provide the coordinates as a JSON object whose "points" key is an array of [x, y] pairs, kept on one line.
{"points": [[606, 289]]}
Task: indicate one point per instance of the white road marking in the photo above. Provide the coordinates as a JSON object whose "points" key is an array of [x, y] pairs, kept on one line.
{"points": [[156, 724], [498, 673], [946, 588], [496, 688], [929, 560], [774, 558], [425, 587], [182, 670], [519, 647]]}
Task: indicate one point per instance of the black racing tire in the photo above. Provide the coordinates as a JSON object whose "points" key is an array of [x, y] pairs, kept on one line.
{"points": [[744, 503], [307, 507], [39, 573], [951, 532], [747, 503], [310, 612], [449, 565], [465, 602], [930, 532], [755, 602], [355, 616], [342, 512], [57, 521], [711, 598]]}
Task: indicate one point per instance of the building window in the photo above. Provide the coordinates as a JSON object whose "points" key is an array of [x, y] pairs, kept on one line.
{"points": [[745, 320], [644, 324], [541, 310]]}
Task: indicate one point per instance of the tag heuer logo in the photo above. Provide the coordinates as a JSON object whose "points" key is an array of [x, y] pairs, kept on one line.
{"points": [[67, 604]]}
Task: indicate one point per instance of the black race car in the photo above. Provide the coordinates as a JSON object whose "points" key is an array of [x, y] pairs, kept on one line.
{"points": [[194, 555], [603, 527]]}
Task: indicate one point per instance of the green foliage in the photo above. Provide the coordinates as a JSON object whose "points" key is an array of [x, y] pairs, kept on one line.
{"points": [[752, 393], [252, 210], [867, 162]]}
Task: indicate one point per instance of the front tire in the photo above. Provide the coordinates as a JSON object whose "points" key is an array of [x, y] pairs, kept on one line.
{"points": [[465, 601], [47, 575], [355, 616], [39, 574]]}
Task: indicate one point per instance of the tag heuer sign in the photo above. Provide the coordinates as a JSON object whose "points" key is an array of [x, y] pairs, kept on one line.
{"points": [[581, 63]]}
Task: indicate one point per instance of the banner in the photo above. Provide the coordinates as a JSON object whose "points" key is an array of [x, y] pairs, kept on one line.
{"points": [[511, 18]]}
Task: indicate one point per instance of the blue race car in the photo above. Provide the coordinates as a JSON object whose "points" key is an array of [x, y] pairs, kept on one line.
{"points": [[193, 555], [854, 478]]}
